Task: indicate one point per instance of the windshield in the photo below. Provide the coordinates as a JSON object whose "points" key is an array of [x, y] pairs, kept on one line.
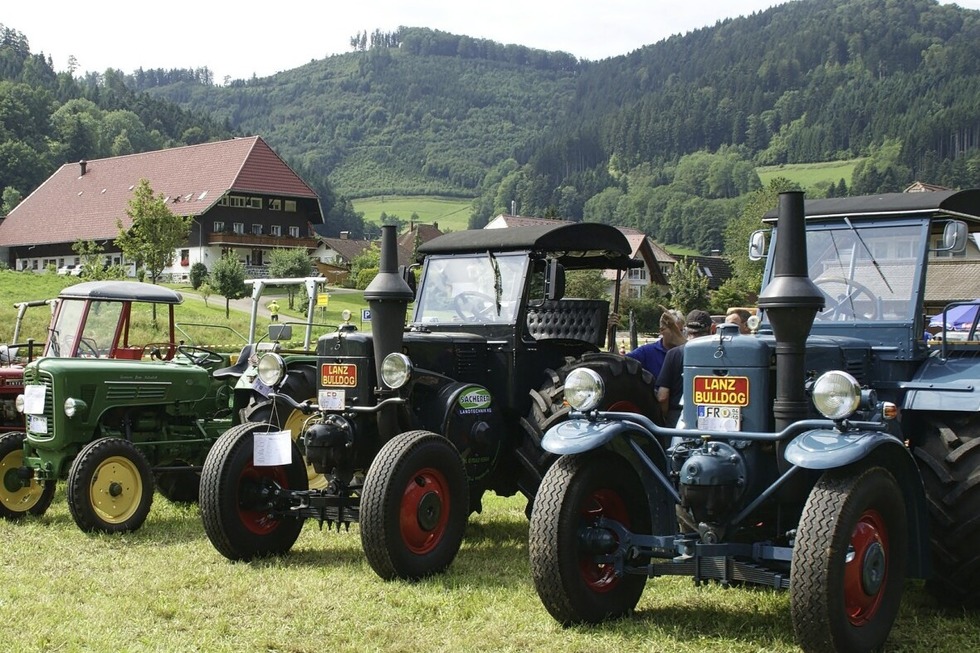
{"points": [[476, 288], [865, 272], [97, 335]]}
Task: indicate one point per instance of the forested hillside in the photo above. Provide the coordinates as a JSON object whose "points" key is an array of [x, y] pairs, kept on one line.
{"points": [[665, 139]]}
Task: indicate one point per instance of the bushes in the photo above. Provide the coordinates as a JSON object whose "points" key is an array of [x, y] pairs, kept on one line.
{"points": [[199, 274]]}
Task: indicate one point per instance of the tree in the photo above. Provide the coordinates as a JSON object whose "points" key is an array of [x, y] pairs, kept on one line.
{"points": [[688, 288], [92, 259], [587, 284], [289, 264], [228, 280], [155, 231], [199, 275], [364, 266]]}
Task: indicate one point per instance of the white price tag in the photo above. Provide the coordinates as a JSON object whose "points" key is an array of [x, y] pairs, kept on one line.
{"points": [[271, 449], [34, 399]]}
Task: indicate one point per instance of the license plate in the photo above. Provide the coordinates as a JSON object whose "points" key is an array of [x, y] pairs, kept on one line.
{"points": [[719, 418], [331, 399], [338, 374], [37, 423]]}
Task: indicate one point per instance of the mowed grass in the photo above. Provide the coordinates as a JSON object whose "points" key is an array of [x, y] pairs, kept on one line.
{"points": [[808, 175], [451, 213], [165, 588]]}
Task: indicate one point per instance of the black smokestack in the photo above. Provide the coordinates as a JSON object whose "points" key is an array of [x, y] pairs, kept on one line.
{"points": [[388, 296], [791, 300]]}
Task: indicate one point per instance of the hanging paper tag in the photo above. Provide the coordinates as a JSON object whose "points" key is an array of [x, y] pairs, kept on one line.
{"points": [[270, 449], [34, 399]]}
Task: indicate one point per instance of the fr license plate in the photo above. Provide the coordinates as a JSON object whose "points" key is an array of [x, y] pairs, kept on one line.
{"points": [[37, 423], [719, 418]]}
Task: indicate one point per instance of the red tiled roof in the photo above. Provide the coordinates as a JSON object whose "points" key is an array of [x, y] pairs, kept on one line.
{"points": [[70, 206]]}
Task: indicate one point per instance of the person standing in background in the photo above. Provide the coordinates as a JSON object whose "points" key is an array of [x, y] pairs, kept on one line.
{"points": [[670, 382], [651, 355]]}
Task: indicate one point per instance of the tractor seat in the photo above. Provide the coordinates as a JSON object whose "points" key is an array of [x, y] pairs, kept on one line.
{"points": [[236, 370]]}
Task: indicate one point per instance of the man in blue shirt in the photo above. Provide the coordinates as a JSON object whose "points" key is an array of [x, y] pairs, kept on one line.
{"points": [[651, 355], [670, 382]]}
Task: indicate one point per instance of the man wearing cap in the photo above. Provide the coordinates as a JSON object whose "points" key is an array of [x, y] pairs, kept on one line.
{"points": [[670, 382]]}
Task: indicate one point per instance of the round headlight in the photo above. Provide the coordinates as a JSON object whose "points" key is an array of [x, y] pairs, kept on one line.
{"points": [[836, 394], [396, 370], [19, 403], [73, 406], [271, 369], [584, 389]]}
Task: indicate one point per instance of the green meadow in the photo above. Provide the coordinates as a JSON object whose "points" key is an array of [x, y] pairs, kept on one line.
{"points": [[451, 214]]}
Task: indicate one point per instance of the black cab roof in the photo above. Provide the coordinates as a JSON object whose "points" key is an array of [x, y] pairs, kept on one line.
{"points": [[122, 291], [964, 204]]}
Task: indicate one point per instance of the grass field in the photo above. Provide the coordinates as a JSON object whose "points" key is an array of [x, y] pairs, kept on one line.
{"points": [[452, 214], [811, 174], [165, 588]]}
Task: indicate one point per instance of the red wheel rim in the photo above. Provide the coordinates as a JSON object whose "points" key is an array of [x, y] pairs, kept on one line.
{"points": [[424, 511], [866, 568], [259, 521], [601, 577], [624, 407]]}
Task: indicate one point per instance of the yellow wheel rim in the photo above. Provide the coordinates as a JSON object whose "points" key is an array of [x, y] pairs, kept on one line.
{"points": [[116, 490], [14, 494], [294, 424]]}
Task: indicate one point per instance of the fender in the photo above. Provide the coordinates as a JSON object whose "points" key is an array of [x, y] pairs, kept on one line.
{"points": [[581, 435], [829, 449]]}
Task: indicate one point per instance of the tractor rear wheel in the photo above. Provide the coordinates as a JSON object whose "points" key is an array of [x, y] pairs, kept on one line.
{"points": [[949, 463], [848, 567], [20, 496], [110, 487], [629, 388], [235, 496], [576, 492], [414, 506]]}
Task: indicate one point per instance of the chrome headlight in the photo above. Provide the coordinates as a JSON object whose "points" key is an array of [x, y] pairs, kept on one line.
{"points": [[19, 403], [271, 369], [74, 407], [396, 370], [836, 394], [584, 389]]}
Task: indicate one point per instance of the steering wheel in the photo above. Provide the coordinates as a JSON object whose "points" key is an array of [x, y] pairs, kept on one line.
{"points": [[199, 355], [841, 305], [473, 305], [158, 351]]}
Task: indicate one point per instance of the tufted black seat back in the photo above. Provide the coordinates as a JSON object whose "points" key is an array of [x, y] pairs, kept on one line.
{"points": [[570, 319]]}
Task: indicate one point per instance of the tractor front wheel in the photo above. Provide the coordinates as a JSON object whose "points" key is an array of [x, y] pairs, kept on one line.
{"points": [[236, 496], [110, 487], [414, 506], [849, 562], [576, 492], [20, 496]]}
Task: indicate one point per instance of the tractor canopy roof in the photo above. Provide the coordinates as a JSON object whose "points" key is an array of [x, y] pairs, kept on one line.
{"points": [[577, 245], [963, 204], [122, 291]]}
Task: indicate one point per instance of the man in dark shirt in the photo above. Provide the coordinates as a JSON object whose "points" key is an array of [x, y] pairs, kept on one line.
{"points": [[670, 381]]}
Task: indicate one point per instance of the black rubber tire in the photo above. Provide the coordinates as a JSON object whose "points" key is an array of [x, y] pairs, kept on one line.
{"points": [[238, 530], [574, 493], [629, 388], [110, 487], [300, 386], [18, 498], [949, 464], [415, 473], [182, 486], [839, 606]]}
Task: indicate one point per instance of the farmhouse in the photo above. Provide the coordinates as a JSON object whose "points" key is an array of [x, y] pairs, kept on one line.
{"points": [[244, 199]]}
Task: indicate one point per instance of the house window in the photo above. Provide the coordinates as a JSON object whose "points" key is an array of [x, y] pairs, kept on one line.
{"points": [[275, 230], [275, 205], [255, 203], [237, 201], [256, 230], [223, 201], [290, 206], [185, 257], [218, 227], [239, 227], [638, 274], [294, 232], [634, 292]]}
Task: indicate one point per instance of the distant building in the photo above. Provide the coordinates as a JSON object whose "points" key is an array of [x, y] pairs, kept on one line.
{"points": [[244, 199]]}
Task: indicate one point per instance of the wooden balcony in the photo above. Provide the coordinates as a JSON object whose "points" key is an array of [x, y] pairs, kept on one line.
{"points": [[264, 241]]}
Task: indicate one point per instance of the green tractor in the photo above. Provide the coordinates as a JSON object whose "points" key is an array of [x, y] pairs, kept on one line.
{"points": [[118, 418]]}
